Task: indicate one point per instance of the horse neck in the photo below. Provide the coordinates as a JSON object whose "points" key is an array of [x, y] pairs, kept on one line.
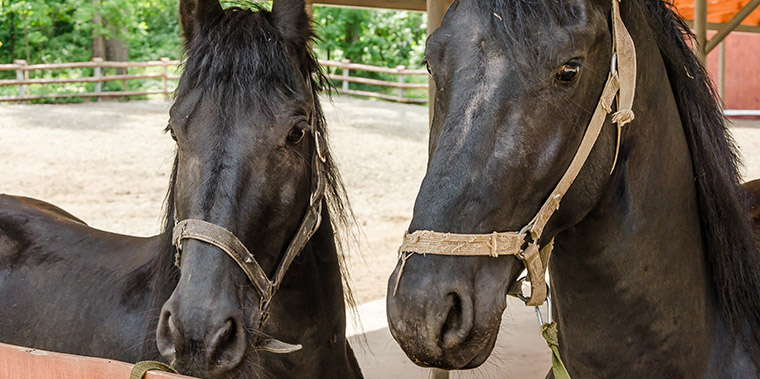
{"points": [[309, 309], [632, 291], [165, 276]]}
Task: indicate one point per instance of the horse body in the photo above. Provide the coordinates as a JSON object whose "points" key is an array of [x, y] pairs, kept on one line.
{"points": [[70, 288], [654, 263], [245, 102]]}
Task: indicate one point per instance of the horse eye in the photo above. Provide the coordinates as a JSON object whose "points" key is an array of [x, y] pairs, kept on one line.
{"points": [[296, 135], [171, 133], [568, 72]]}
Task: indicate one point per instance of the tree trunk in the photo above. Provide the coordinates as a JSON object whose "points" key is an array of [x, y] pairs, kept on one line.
{"points": [[13, 36], [26, 42], [98, 42], [117, 51]]}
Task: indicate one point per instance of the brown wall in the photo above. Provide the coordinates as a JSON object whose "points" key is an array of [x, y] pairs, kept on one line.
{"points": [[742, 70]]}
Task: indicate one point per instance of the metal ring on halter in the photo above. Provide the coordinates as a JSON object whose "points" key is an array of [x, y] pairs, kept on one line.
{"points": [[613, 63], [522, 297]]}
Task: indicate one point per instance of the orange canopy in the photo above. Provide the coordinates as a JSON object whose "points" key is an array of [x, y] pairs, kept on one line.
{"points": [[719, 11]]}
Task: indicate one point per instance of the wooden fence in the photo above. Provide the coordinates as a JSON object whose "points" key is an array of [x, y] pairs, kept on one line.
{"points": [[23, 81]]}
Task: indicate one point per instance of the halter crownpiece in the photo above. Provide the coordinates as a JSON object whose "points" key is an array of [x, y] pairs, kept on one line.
{"points": [[525, 244]]}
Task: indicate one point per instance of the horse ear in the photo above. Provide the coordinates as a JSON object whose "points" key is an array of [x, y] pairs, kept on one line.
{"points": [[194, 13], [290, 18]]}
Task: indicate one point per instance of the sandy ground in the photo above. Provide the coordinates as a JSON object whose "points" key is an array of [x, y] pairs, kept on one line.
{"points": [[109, 163]]}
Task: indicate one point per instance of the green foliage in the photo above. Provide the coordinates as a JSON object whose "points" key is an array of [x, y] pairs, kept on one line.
{"points": [[50, 31], [62, 30], [379, 37]]}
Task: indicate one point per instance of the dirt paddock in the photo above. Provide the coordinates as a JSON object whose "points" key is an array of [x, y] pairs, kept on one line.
{"points": [[108, 164]]}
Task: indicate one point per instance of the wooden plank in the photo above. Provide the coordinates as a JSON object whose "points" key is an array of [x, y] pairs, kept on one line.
{"points": [[376, 82], [381, 96], [408, 5], [740, 28], [25, 363], [82, 94], [58, 66], [82, 80], [369, 68]]}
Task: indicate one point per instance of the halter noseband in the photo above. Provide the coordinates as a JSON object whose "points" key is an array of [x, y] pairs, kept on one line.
{"points": [[230, 244], [621, 83]]}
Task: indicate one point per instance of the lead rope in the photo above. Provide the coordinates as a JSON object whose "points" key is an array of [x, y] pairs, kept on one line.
{"points": [[141, 368], [550, 334]]}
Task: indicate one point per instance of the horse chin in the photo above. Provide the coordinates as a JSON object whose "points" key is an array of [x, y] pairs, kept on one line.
{"points": [[483, 355], [465, 357]]}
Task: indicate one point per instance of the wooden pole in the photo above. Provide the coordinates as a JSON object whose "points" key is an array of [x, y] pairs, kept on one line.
{"points": [[436, 9], [20, 76], [722, 73], [97, 74], [400, 70], [346, 74], [436, 373], [700, 29], [310, 9], [164, 78]]}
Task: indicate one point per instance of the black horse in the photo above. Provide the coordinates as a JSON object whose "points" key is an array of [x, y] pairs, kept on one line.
{"points": [[244, 116], [655, 270]]}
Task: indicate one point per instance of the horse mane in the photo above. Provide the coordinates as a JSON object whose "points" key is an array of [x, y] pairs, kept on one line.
{"points": [[730, 242], [248, 59]]}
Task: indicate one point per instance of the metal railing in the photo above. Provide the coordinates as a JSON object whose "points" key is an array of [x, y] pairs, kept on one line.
{"points": [[24, 83]]}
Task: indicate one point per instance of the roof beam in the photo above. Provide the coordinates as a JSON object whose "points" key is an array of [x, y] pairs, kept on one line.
{"points": [[718, 26], [731, 25]]}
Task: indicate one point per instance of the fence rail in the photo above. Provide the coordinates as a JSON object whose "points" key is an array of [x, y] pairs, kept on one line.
{"points": [[346, 67]]}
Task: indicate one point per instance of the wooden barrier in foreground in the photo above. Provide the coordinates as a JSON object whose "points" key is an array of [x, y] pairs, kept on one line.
{"points": [[18, 362]]}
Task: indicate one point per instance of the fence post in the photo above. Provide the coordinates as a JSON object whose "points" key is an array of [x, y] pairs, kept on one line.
{"points": [[97, 75], [124, 82], [20, 76], [164, 78], [346, 73], [399, 72]]}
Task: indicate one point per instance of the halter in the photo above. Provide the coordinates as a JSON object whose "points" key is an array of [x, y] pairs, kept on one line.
{"points": [[230, 244], [525, 244]]}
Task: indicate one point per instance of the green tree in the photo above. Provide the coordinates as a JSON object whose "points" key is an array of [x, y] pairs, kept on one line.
{"points": [[379, 37]]}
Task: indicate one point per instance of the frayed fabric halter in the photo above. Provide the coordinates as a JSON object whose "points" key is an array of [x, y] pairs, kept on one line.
{"points": [[526, 243]]}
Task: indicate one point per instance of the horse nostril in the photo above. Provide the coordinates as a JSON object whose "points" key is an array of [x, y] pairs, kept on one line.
{"points": [[227, 346], [166, 335], [458, 323]]}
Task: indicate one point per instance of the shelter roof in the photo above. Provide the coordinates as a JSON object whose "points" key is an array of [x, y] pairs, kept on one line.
{"points": [[719, 11]]}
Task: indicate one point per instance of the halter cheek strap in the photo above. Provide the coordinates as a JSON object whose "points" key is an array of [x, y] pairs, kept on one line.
{"points": [[524, 244]]}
